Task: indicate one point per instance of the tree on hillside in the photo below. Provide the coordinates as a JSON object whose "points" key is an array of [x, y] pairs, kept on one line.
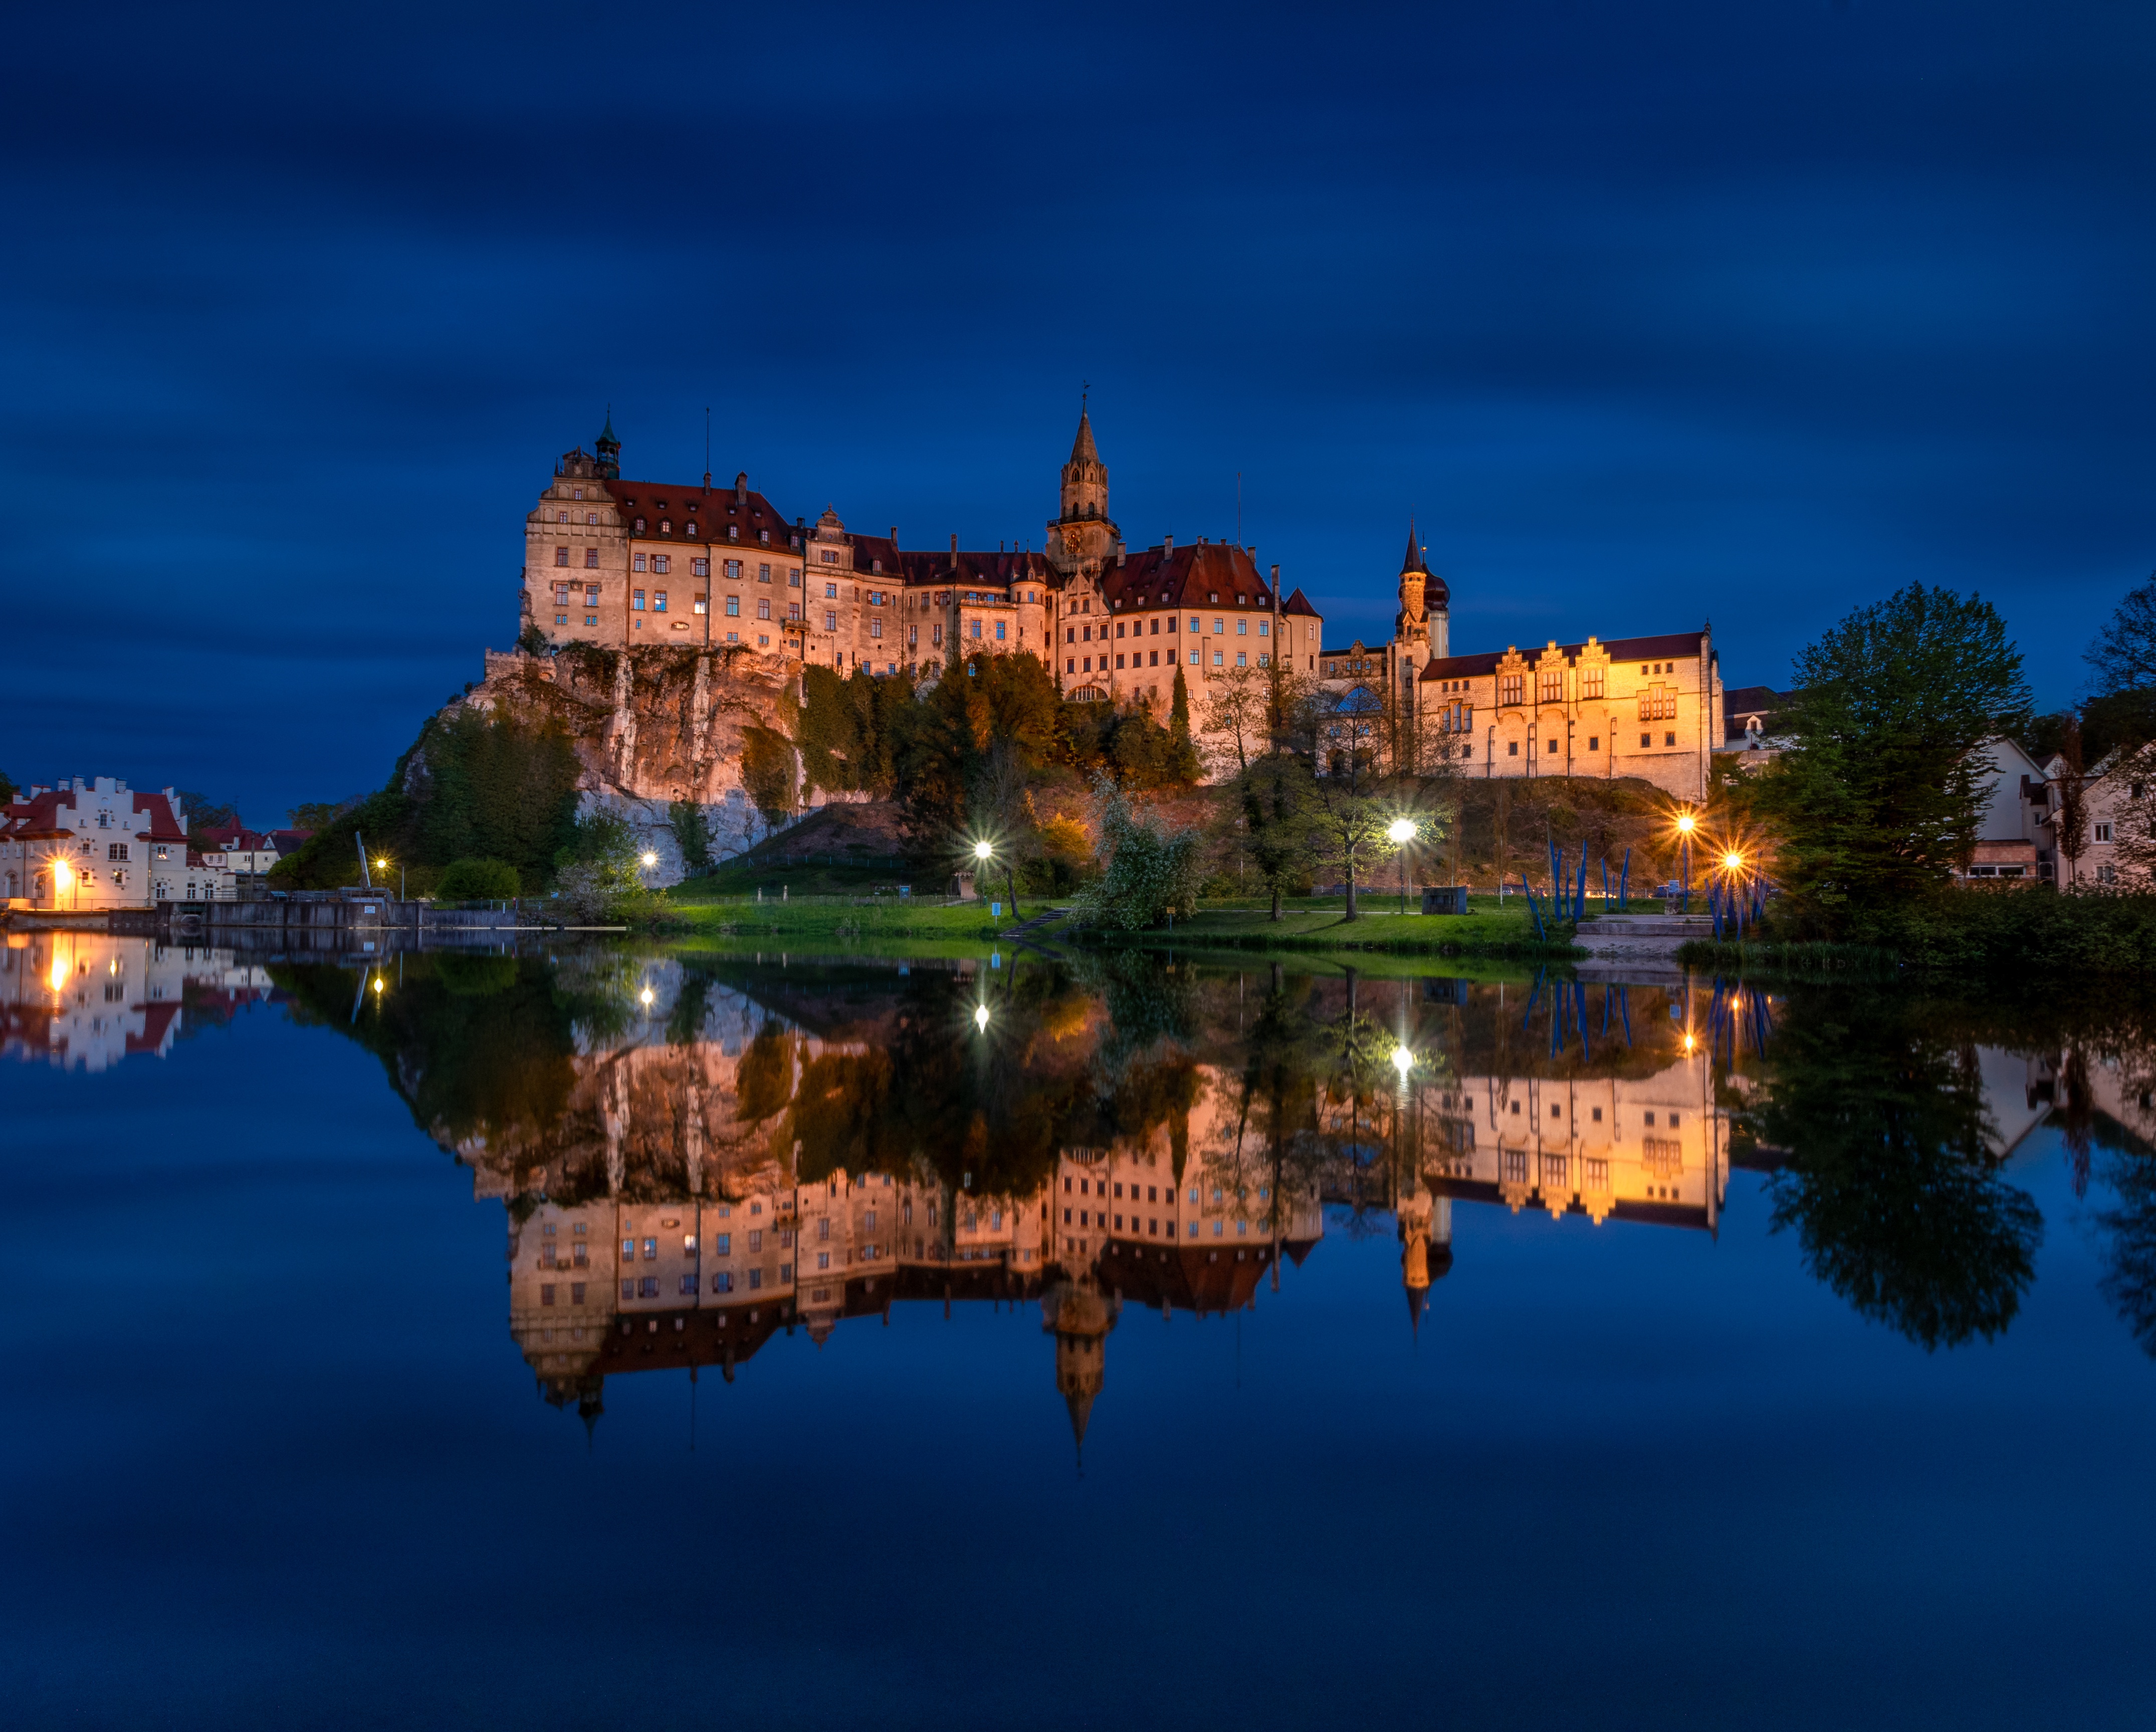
{"points": [[2123, 656], [1236, 701], [1182, 765], [768, 773], [1348, 807], [1149, 873], [1876, 797], [491, 788], [1276, 805]]}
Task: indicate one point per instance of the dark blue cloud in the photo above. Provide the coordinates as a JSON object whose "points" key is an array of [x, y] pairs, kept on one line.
{"points": [[1649, 314]]}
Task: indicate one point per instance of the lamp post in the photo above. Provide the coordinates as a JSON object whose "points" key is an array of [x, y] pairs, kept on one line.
{"points": [[984, 852], [1402, 832], [1687, 823], [381, 865]]}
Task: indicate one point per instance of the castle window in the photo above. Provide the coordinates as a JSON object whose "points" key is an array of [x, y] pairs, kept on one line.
{"points": [[591, 517], [763, 607], [1552, 685], [661, 561], [561, 556], [1265, 628], [636, 600], [1590, 682], [763, 535], [875, 565], [659, 601], [590, 560], [733, 607], [875, 627], [637, 564], [1594, 742], [827, 555], [794, 610], [1552, 751], [1646, 741], [575, 493], [700, 567], [1242, 659], [1171, 625], [702, 603], [733, 532], [1512, 749], [639, 530], [591, 595], [1669, 739], [1220, 626], [830, 592], [830, 620], [1511, 688], [689, 529]]}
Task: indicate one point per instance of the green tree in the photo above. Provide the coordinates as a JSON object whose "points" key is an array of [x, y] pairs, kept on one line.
{"points": [[2123, 656], [692, 835], [478, 881], [1875, 798], [1274, 798], [493, 788], [767, 773], [1182, 765], [1150, 873]]}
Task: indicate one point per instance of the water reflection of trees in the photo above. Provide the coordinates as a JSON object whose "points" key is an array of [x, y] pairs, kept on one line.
{"points": [[1891, 1182]]}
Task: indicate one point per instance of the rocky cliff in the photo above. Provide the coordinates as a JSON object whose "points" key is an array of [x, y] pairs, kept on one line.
{"points": [[651, 727]]}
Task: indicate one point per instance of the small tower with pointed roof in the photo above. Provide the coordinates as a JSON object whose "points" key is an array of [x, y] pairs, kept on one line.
{"points": [[1083, 536], [606, 449]]}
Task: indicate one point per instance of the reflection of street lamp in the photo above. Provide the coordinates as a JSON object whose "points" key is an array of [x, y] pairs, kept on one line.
{"points": [[644, 998], [1402, 832], [981, 1018], [1402, 1061]]}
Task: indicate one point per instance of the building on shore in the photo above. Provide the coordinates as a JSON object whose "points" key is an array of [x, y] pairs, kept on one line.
{"points": [[89, 845]]}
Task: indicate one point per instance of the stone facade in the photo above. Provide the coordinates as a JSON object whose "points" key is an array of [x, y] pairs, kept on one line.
{"points": [[86, 846]]}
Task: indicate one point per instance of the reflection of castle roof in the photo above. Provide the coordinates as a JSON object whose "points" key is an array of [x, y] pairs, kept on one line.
{"points": [[1188, 1278], [1664, 1215]]}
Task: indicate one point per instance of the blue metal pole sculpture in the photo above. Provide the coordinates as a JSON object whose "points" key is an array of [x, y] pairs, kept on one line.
{"points": [[1624, 1010], [1623, 878], [1579, 892]]}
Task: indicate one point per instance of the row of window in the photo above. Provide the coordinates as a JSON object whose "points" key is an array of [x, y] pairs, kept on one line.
{"points": [[1550, 746]]}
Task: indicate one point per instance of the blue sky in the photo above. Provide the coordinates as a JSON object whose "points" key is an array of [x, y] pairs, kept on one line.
{"points": [[1649, 314]]}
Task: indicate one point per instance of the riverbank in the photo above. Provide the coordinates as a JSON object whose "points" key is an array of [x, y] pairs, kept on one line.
{"points": [[1491, 928], [1969, 934]]}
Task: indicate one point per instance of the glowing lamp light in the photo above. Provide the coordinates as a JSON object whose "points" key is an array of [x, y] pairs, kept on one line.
{"points": [[62, 875], [981, 1018], [380, 865], [1733, 861], [60, 973], [1688, 1043], [1402, 1061], [650, 858], [1401, 830], [377, 983], [981, 851], [644, 997], [1687, 823]]}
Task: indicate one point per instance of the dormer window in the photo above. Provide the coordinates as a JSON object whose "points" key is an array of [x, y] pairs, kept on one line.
{"points": [[875, 565], [763, 535], [689, 529], [733, 532], [639, 530], [1213, 595], [665, 527]]}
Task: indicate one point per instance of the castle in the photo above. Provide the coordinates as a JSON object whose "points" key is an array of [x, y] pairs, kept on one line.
{"points": [[1114, 623]]}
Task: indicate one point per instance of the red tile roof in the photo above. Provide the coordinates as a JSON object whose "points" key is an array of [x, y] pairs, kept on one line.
{"points": [[1186, 578], [710, 509], [1299, 603], [997, 570], [1674, 646]]}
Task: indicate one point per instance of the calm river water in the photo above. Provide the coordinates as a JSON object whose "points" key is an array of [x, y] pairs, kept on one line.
{"points": [[658, 1339]]}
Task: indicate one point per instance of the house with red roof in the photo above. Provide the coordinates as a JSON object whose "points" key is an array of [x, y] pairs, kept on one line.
{"points": [[87, 846]]}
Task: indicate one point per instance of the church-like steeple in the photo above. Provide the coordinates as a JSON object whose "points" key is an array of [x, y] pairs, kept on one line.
{"points": [[1082, 536], [608, 449]]}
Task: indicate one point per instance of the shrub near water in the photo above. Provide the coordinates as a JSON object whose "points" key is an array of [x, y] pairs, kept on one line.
{"points": [[479, 880]]}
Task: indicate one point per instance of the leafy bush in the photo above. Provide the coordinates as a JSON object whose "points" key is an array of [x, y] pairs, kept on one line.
{"points": [[479, 880], [601, 875], [1151, 874]]}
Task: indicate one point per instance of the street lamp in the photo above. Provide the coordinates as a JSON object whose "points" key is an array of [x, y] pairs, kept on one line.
{"points": [[650, 858], [1687, 823], [381, 865], [1402, 832], [984, 852]]}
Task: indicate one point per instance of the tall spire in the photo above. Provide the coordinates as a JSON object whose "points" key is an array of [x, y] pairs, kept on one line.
{"points": [[1414, 561], [1082, 449]]}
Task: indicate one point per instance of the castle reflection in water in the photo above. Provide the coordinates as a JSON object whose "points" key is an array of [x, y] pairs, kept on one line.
{"points": [[790, 1150], [695, 1154]]}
